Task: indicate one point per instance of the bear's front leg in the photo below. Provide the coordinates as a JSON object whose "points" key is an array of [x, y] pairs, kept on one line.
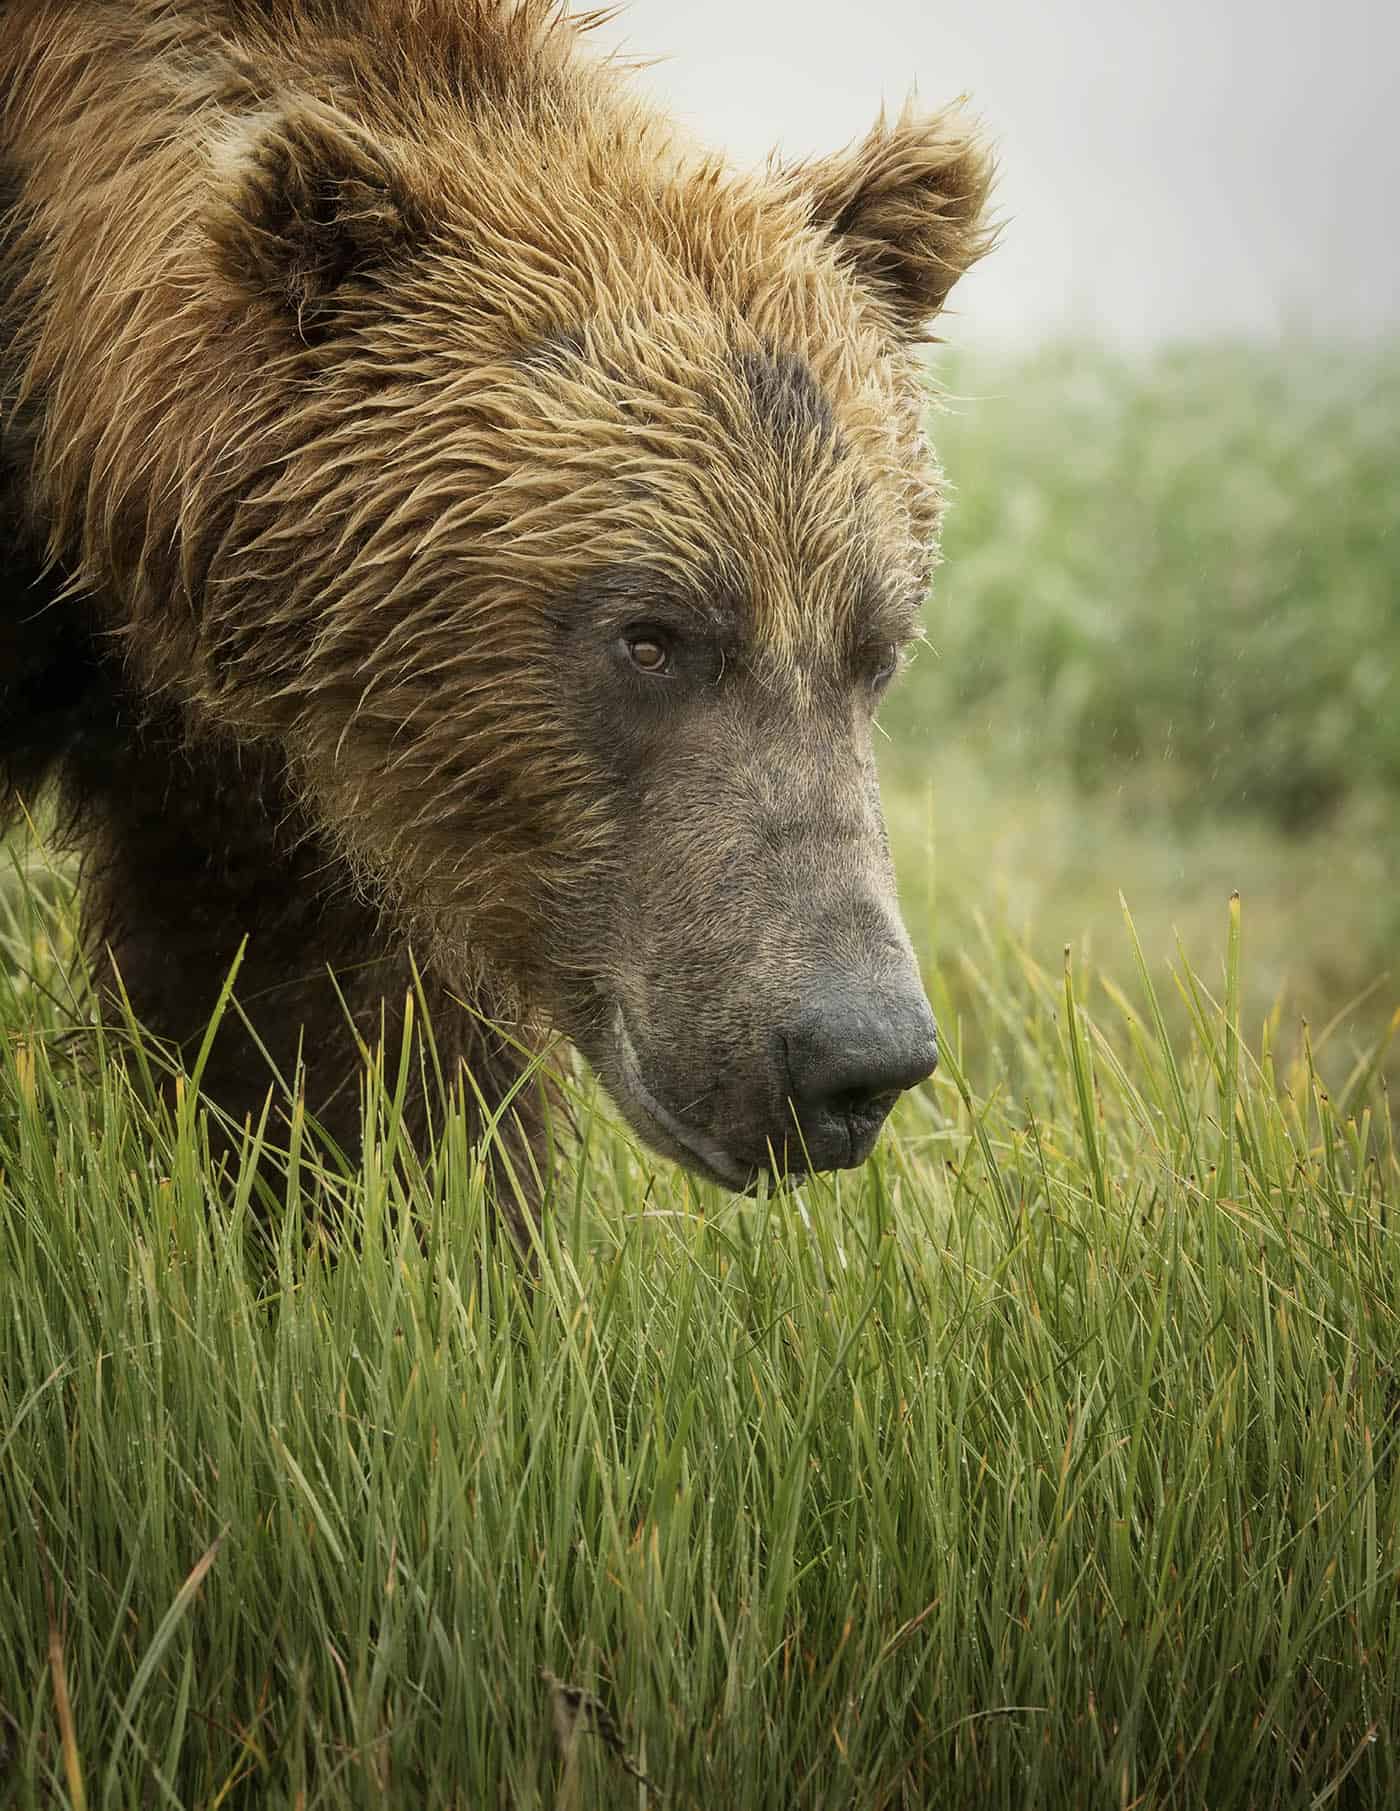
{"points": [[191, 846]]}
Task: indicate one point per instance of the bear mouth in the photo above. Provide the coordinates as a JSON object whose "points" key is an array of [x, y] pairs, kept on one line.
{"points": [[663, 1128]]}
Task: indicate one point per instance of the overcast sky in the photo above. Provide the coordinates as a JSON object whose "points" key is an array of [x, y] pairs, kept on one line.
{"points": [[1168, 166]]}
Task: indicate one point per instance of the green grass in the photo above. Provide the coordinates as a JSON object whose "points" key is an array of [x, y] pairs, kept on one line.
{"points": [[1049, 1461]]}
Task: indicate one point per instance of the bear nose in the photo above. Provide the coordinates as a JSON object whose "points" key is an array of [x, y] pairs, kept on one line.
{"points": [[850, 1055]]}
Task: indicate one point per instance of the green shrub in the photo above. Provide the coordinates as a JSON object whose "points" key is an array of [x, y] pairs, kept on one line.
{"points": [[1189, 562]]}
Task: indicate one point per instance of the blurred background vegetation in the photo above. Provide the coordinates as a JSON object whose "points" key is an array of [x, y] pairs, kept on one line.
{"points": [[1164, 659]]}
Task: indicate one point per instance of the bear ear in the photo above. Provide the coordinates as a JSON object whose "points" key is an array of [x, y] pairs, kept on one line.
{"points": [[908, 206], [305, 202]]}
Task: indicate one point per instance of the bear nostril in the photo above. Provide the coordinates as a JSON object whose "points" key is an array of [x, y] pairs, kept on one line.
{"points": [[863, 1106]]}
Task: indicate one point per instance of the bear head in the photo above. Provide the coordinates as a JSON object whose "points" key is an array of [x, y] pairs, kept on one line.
{"points": [[600, 519]]}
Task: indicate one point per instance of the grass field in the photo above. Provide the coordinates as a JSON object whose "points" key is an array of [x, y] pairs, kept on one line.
{"points": [[1049, 1461]]}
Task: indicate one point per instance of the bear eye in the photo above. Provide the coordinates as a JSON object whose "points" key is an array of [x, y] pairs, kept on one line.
{"points": [[882, 663], [648, 652]]}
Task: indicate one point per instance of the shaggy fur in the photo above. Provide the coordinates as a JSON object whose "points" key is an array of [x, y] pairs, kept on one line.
{"points": [[359, 358]]}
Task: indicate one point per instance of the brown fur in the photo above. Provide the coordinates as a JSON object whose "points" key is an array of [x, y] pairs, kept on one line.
{"points": [[348, 346]]}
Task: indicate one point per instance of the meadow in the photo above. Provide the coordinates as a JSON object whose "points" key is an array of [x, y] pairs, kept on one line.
{"points": [[1049, 1461]]}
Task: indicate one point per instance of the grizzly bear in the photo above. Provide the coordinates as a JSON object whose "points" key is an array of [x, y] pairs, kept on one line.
{"points": [[458, 529]]}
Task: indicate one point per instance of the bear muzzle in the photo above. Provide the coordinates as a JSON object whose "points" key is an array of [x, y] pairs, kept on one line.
{"points": [[835, 1071]]}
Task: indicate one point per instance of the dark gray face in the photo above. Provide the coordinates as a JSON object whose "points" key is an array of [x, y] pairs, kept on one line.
{"points": [[759, 1006]]}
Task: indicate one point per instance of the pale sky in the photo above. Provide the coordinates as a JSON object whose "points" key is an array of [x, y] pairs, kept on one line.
{"points": [[1168, 166]]}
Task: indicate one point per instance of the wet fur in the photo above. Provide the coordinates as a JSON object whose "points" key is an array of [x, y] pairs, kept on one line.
{"points": [[284, 292]]}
